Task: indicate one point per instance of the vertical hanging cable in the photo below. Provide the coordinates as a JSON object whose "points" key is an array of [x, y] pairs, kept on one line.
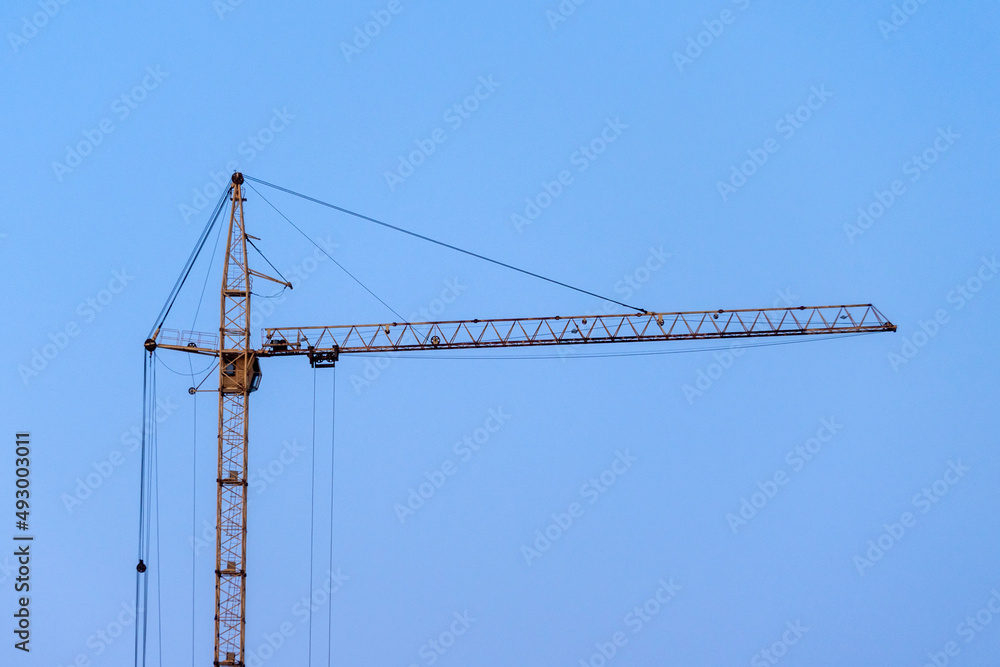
{"points": [[156, 500], [150, 457], [194, 445], [147, 475], [140, 577], [333, 456], [312, 518], [194, 506]]}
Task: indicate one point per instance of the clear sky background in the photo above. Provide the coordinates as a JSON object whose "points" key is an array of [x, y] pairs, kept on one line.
{"points": [[118, 118]]}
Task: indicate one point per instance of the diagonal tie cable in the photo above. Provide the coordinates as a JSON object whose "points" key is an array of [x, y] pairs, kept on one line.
{"points": [[440, 243], [322, 250]]}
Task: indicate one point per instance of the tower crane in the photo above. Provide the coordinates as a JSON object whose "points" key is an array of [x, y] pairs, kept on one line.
{"points": [[239, 374]]}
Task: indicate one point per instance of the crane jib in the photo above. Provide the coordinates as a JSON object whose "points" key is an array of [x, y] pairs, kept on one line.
{"points": [[520, 332], [325, 344]]}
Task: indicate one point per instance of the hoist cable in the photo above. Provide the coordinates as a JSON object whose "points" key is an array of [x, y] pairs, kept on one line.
{"points": [[333, 458], [194, 425], [194, 506], [151, 467], [312, 518], [142, 453], [441, 243], [140, 574], [159, 595], [147, 471]]}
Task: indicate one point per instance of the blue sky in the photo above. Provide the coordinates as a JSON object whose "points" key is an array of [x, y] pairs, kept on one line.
{"points": [[831, 502]]}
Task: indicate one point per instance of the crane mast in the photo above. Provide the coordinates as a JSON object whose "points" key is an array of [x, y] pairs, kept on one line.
{"points": [[236, 381], [239, 375]]}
